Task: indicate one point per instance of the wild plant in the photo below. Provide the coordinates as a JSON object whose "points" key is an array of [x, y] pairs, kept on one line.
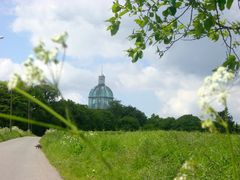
{"points": [[45, 66]]}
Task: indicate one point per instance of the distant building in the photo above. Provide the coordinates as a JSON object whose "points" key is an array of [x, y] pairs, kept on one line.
{"points": [[100, 96]]}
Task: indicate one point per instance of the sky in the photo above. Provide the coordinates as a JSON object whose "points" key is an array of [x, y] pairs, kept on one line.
{"points": [[166, 86]]}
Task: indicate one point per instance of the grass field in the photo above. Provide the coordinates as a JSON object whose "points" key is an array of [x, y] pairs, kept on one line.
{"points": [[142, 155], [6, 134]]}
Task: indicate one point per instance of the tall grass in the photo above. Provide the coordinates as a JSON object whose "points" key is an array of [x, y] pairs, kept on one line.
{"points": [[142, 155]]}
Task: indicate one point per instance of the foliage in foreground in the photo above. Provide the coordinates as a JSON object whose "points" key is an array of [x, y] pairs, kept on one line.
{"points": [[164, 23], [142, 155], [6, 134]]}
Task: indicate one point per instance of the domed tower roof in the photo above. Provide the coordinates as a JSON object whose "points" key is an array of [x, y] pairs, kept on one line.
{"points": [[101, 95], [101, 91]]}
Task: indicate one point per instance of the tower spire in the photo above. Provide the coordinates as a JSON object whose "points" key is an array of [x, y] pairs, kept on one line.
{"points": [[101, 78]]}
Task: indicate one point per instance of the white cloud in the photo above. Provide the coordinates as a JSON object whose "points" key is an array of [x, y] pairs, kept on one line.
{"points": [[7, 66], [180, 103], [83, 20], [175, 90], [234, 103], [75, 96]]}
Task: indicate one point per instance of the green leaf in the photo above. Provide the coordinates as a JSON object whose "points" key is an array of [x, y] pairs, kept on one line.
{"points": [[128, 4], [142, 22], [221, 4], [167, 40], [154, 8], [178, 4], [209, 22], [213, 35], [123, 12], [157, 36], [139, 22], [229, 3], [198, 28], [231, 63], [116, 7], [158, 19], [165, 13], [173, 10], [173, 2], [175, 24], [139, 2], [181, 26], [211, 6], [135, 57], [111, 20], [114, 28]]}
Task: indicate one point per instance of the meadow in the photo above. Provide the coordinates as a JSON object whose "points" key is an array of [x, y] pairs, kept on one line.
{"points": [[142, 155], [6, 134]]}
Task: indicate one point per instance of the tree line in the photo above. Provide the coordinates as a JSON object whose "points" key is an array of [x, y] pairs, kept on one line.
{"points": [[116, 117]]}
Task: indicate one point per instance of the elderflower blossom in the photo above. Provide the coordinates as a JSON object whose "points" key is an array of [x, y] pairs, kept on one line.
{"points": [[53, 54], [215, 87], [61, 39], [187, 169], [208, 124], [33, 74], [12, 83]]}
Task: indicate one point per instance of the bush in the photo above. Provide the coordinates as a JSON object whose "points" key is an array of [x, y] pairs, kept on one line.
{"points": [[129, 123]]}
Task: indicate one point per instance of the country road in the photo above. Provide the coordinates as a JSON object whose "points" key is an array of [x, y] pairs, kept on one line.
{"points": [[20, 160]]}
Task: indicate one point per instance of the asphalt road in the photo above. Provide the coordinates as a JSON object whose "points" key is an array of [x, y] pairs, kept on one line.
{"points": [[20, 160]]}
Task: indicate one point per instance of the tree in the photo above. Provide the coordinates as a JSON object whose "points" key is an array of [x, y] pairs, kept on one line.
{"points": [[119, 111], [19, 105], [4, 102], [47, 94], [24, 108], [163, 23], [227, 117], [156, 122], [188, 123], [128, 123]]}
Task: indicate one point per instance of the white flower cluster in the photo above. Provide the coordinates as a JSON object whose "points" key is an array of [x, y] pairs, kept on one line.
{"points": [[90, 133], [187, 169], [215, 87], [33, 74], [14, 79], [49, 131]]}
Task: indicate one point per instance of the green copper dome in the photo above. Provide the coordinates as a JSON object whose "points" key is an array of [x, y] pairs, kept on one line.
{"points": [[101, 91], [100, 96]]}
